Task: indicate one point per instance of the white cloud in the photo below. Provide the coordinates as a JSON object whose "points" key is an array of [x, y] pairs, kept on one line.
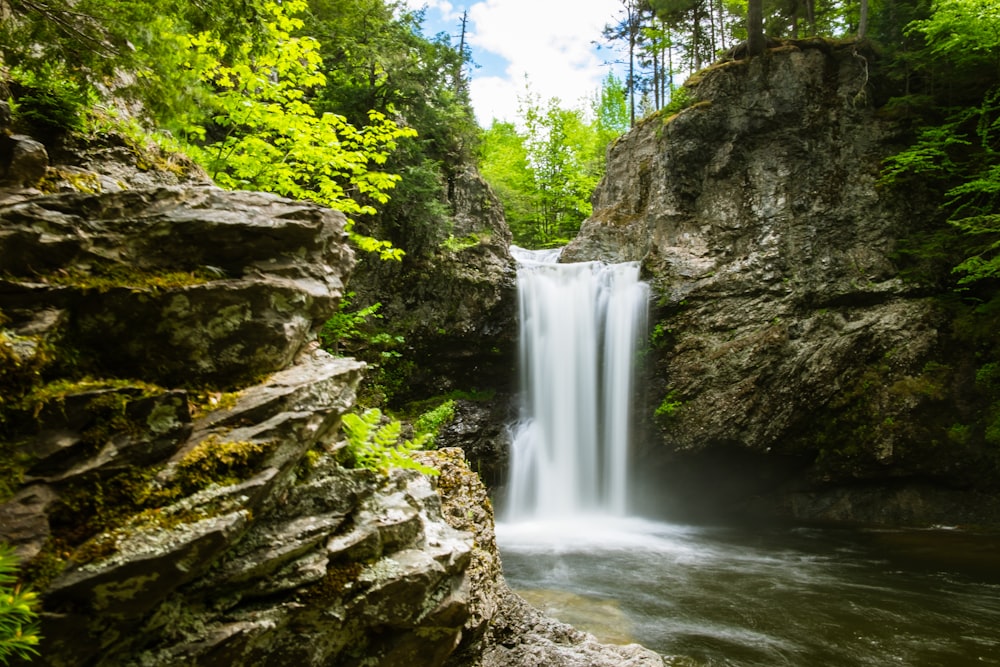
{"points": [[550, 41], [495, 97], [447, 9]]}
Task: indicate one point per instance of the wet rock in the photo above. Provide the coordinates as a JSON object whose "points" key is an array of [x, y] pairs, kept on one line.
{"points": [[789, 354], [23, 160], [503, 629]]}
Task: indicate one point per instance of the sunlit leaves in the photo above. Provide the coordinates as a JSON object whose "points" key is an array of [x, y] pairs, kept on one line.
{"points": [[962, 30], [18, 612], [273, 140]]}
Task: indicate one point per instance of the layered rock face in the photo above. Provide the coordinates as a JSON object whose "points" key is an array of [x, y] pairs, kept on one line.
{"points": [[454, 299], [171, 526], [172, 472], [792, 362]]}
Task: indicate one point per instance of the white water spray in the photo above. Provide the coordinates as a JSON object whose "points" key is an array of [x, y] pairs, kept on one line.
{"points": [[580, 324]]}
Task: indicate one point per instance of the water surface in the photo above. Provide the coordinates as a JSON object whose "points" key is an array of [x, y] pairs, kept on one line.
{"points": [[766, 596]]}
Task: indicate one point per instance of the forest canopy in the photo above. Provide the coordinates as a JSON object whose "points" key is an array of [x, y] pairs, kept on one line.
{"points": [[348, 103]]}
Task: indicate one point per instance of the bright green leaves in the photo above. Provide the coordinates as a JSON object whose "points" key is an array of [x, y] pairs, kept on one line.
{"points": [[545, 170], [272, 139], [959, 156], [378, 445], [962, 30], [18, 631]]}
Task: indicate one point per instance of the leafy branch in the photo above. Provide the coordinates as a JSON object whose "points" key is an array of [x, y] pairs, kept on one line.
{"points": [[273, 138]]}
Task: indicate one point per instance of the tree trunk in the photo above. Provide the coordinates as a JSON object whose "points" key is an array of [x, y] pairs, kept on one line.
{"points": [[755, 28], [863, 20]]}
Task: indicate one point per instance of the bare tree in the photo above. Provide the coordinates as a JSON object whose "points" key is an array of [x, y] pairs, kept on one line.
{"points": [[863, 20]]}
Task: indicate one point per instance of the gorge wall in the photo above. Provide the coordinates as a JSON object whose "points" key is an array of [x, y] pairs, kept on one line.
{"points": [[453, 300], [172, 472], [795, 371]]}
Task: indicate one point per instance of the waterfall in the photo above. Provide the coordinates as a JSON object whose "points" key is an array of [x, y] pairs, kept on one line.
{"points": [[579, 329]]}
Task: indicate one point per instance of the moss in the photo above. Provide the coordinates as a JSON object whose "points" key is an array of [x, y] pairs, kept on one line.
{"points": [[92, 518], [105, 277], [39, 571], [108, 411], [84, 519], [215, 461], [24, 362], [204, 401], [87, 182], [339, 578], [14, 462]]}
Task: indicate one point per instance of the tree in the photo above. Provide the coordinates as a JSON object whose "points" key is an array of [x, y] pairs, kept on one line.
{"points": [[83, 44], [546, 172], [375, 57], [628, 29], [755, 27], [863, 20], [611, 111], [273, 140], [503, 162]]}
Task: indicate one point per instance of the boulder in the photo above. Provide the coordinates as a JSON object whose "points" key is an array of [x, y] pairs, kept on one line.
{"points": [[23, 161], [192, 284]]}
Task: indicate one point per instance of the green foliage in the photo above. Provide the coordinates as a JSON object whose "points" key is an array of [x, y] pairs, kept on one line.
{"points": [[660, 334], [129, 46], [378, 445], [347, 326], [46, 102], [669, 406], [18, 612], [429, 424], [272, 138], [956, 154], [962, 31], [379, 60], [452, 244], [680, 99], [610, 108], [546, 173]]}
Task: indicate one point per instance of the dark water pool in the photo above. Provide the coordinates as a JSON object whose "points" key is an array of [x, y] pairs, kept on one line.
{"points": [[767, 596]]}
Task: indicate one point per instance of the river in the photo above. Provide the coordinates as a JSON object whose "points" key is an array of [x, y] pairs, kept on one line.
{"points": [[740, 596], [766, 596]]}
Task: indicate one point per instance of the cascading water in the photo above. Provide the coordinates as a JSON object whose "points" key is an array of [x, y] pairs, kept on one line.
{"points": [[751, 596], [580, 325]]}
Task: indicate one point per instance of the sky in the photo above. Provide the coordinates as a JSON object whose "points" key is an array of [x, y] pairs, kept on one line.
{"points": [[552, 42]]}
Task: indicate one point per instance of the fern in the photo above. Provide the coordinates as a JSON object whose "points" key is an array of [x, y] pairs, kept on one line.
{"points": [[379, 446], [18, 630]]}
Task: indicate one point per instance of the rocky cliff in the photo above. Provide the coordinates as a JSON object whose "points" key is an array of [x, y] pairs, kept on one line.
{"points": [[172, 470], [453, 300], [794, 367]]}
